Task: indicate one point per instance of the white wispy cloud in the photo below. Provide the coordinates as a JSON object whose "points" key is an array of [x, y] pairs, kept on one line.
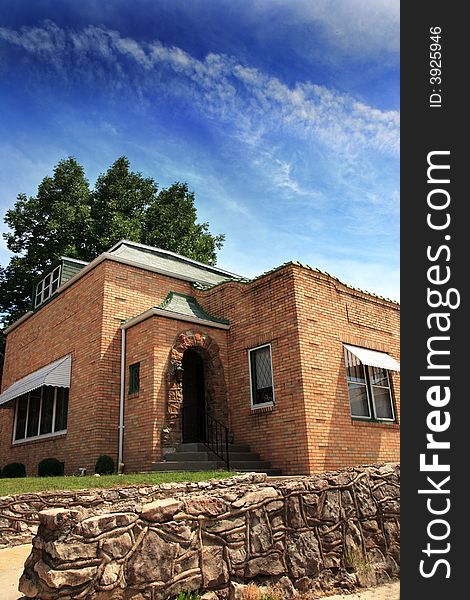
{"points": [[360, 28], [280, 174], [321, 155], [219, 86]]}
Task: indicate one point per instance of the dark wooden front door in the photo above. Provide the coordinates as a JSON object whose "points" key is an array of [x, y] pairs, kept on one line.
{"points": [[193, 397]]}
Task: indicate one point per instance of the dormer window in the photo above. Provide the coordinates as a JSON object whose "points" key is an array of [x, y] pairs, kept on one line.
{"points": [[58, 274], [47, 286]]}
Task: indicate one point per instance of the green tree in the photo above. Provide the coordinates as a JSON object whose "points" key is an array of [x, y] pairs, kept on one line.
{"points": [[118, 206], [126, 205], [67, 218], [53, 223], [170, 223]]}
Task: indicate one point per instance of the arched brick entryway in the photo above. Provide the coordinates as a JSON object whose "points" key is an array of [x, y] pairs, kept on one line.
{"points": [[215, 387]]}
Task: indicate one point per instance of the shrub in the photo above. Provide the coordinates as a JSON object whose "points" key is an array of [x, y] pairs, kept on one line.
{"points": [[50, 467], [14, 470], [104, 465], [188, 596]]}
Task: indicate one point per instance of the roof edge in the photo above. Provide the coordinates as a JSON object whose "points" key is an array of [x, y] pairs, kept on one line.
{"points": [[91, 265], [17, 322], [161, 312], [296, 263], [206, 314], [198, 286], [75, 260], [175, 255]]}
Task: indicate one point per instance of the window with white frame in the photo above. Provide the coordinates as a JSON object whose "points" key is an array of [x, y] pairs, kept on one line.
{"points": [[41, 412], [47, 286], [261, 376], [370, 392]]}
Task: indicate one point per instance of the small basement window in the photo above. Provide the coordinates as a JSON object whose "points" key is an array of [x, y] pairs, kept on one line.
{"points": [[261, 376], [41, 413], [134, 378]]}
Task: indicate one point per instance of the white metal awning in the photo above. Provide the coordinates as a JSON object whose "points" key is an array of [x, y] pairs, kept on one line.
{"points": [[56, 373], [373, 358]]}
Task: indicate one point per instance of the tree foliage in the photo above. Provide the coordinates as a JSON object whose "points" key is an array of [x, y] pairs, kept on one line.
{"points": [[68, 218]]}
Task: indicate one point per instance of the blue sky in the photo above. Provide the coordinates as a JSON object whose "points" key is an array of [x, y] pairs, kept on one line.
{"points": [[283, 117]]}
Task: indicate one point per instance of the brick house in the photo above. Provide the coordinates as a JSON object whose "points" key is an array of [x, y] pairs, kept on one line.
{"points": [[142, 349]]}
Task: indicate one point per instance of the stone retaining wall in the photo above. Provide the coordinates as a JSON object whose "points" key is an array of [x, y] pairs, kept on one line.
{"points": [[315, 533], [19, 513]]}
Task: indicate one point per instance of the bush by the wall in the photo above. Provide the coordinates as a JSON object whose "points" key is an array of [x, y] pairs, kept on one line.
{"points": [[50, 467], [104, 465], [14, 470]]}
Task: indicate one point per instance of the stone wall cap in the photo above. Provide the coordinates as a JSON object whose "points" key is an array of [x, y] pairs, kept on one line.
{"points": [[256, 496], [52, 517], [93, 526], [161, 510]]}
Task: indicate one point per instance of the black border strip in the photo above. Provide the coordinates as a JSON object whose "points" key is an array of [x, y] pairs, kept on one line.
{"points": [[435, 123]]}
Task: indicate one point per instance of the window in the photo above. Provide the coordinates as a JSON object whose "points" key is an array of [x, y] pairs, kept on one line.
{"points": [[41, 412], [47, 286], [370, 393], [261, 376], [134, 378]]}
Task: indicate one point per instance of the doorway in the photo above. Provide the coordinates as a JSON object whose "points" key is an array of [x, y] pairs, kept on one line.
{"points": [[194, 397]]}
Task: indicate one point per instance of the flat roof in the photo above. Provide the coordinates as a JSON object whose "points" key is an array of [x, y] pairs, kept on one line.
{"points": [[169, 263]]}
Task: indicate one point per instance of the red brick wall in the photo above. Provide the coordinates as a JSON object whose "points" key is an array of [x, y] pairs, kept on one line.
{"points": [[265, 311], [70, 323], [305, 316], [83, 320], [128, 292], [330, 314], [141, 410], [150, 342]]}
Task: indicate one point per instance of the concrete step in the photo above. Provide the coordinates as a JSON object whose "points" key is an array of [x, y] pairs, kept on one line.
{"points": [[209, 456], [244, 456], [194, 456], [189, 456], [198, 447]]}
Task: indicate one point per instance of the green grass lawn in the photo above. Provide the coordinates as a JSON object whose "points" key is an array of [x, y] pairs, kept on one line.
{"points": [[26, 485]]}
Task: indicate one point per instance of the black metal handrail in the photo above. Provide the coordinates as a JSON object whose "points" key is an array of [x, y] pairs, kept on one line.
{"points": [[208, 431]]}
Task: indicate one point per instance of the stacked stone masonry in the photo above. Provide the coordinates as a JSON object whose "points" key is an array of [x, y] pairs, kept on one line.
{"points": [[19, 513], [332, 530]]}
